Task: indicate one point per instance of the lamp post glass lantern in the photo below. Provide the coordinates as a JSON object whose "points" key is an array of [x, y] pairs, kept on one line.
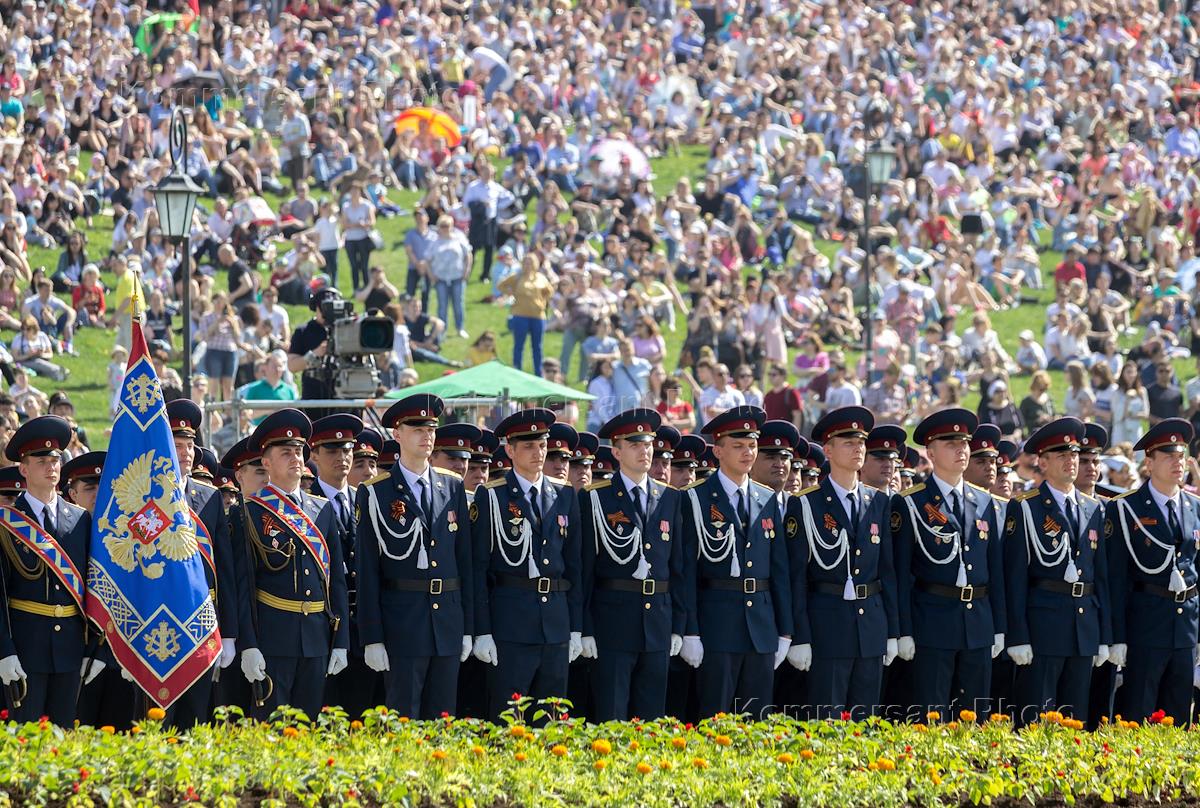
{"points": [[881, 161], [175, 200]]}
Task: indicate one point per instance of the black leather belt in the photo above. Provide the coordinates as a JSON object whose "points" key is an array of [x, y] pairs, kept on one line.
{"points": [[434, 586], [1076, 590], [861, 591], [747, 586], [647, 587], [1163, 592], [540, 585], [966, 594]]}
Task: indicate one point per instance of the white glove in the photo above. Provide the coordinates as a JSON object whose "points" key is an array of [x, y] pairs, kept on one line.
{"points": [[254, 666], [574, 646], [228, 653], [126, 675], [485, 649], [692, 651], [889, 656], [337, 662], [676, 644], [800, 656], [997, 645], [1021, 654], [375, 655], [589, 648], [1117, 653], [92, 671], [1101, 656], [906, 649], [781, 652], [466, 648], [11, 670]]}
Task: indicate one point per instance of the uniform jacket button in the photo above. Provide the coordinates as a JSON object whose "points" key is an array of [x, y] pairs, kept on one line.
{"points": [[749, 603]]}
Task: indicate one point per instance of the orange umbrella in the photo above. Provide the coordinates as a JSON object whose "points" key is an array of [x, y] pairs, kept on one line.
{"points": [[437, 122]]}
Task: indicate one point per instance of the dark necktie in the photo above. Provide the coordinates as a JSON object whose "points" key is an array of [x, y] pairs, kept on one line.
{"points": [[1173, 522], [853, 511], [638, 510], [956, 507], [344, 508], [535, 507], [743, 511], [426, 505], [48, 520], [1073, 518]]}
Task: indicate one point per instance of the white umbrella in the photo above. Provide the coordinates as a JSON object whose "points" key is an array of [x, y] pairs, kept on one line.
{"points": [[613, 152]]}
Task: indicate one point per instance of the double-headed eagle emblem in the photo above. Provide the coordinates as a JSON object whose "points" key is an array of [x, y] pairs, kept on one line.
{"points": [[148, 517]]}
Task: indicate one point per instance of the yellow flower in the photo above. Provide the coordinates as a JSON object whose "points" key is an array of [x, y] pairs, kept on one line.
{"points": [[520, 756], [920, 727], [403, 719], [643, 767], [600, 765], [156, 713], [356, 725], [108, 729], [634, 746], [381, 710], [700, 763], [665, 765], [477, 751], [516, 731], [935, 778], [290, 732], [440, 754], [601, 747], [723, 740], [558, 750], [952, 725], [996, 718], [785, 758], [806, 754], [1168, 721], [678, 742], [933, 715], [886, 764], [873, 766], [967, 715]]}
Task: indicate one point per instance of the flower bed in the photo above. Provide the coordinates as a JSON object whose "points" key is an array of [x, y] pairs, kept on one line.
{"points": [[389, 760]]}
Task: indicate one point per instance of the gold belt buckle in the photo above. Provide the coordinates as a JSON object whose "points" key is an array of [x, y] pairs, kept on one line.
{"points": [[648, 587], [59, 610], [967, 594], [543, 586], [305, 608], [435, 586]]}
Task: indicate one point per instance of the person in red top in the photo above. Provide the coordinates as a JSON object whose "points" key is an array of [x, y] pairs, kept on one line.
{"points": [[88, 298], [1070, 268], [782, 402]]}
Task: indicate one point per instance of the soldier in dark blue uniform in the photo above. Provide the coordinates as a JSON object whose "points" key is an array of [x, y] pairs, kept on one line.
{"points": [[949, 571], [684, 460], [42, 628], [208, 507], [500, 464], [480, 462], [248, 470], [227, 484], [526, 543], [885, 445], [813, 463], [738, 597], [1056, 576], [414, 570], [776, 442], [332, 442], [666, 438], [981, 469], [1152, 534], [843, 579], [560, 448], [605, 465], [389, 455], [452, 448], [1006, 456], [580, 473], [706, 463], [81, 479], [908, 466], [1091, 449], [11, 485], [368, 443], [295, 624], [632, 562]]}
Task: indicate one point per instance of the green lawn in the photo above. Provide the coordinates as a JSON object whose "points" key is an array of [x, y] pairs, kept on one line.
{"points": [[87, 383]]}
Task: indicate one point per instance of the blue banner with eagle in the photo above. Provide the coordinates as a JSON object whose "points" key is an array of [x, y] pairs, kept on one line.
{"points": [[146, 585]]}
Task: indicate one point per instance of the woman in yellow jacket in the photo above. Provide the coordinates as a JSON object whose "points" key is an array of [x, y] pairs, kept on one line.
{"points": [[531, 291]]}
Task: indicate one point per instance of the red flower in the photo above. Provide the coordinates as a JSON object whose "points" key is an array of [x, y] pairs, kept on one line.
{"points": [[84, 773], [329, 762], [515, 697], [846, 715], [3, 715], [445, 714], [1157, 716], [563, 717]]}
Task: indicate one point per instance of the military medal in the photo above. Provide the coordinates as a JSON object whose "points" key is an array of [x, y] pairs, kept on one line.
{"points": [[562, 524], [664, 526], [982, 526], [398, 510], [874, 533], [768, 526], [1051, 528], [830, 523], [452, 521], [1093, 539], [935, 514]]}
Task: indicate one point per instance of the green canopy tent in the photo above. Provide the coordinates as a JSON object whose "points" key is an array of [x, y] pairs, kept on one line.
{"points": [[147, 34], [493, 380]]}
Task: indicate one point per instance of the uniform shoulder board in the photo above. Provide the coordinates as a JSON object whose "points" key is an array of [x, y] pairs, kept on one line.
{"points": [[694, 483], [193, 482], [378, 478], [762, 489], [979, 488], [318, 497], [597, 485], [453, 474], [916, 489], [998, 498], [667, 486], [556, 480], [805, 491], [1087, 497], [496, 483], [1190, 495], [1127, 493], [1024, 495]]}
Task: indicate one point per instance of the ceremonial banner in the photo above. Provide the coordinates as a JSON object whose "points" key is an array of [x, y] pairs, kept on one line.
{"points": [[145, 582]]}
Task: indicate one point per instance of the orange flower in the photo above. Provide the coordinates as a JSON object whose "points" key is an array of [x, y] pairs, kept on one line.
{"points": [[700, 763], [785, 758], [886, 764], [108, 729], [558, 750], [516, 731], [806, 754], [996, 718], [403, 719], [440, 754], [933, 715], [723, 740], [665, 765], [967, 715], [678, 742], [634, 746], [477, 751], [520, 756], [644, 768], [952, 725], [356, 725], [290, 732], [172, 739], [135, 730], [600, 765], [156, 713], [935, 778], [601, 747]]}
